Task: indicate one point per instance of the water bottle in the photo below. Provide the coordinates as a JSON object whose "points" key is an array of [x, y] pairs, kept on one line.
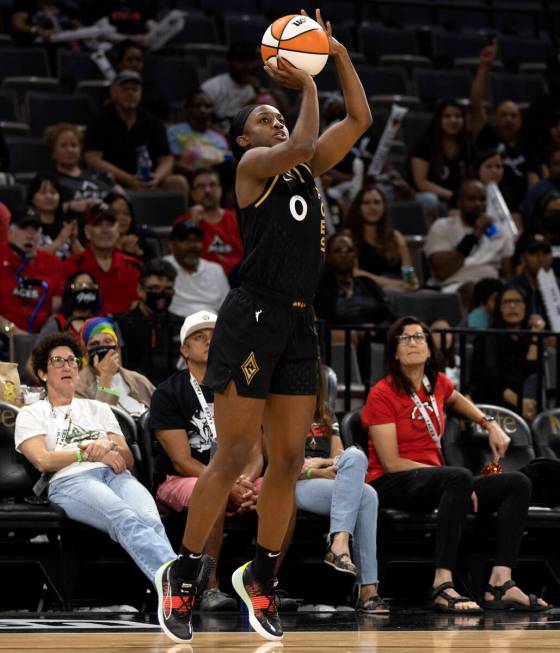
{"points": [[492, 230], [408, 274], [143, 163]]}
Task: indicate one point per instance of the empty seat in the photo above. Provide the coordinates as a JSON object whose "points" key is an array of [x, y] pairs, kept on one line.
{"points": [[94, 89], [74, 67], [233, 6], [9, 109], [376, 41], [398, 14], [29, 61], [428, 306], [327, 79], [28, 154], [198, 28], [379, 80], [157, 208], [414, 127], [408, 218], [546, 434], [13, 196], [46, 109], [175, 77], [244, 28], [514, 51], [434, 85], [520, 18], [519, 88], [446, 47], [475, 18], [376, 362], [28, 84]]}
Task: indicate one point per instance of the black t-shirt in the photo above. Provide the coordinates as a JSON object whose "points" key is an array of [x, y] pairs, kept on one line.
{"points": [[175, 405], [318, 440], [109, 134], [90, 183], [128, 17], [373, 260], [453, 170], [283, 235], [151, 344]]}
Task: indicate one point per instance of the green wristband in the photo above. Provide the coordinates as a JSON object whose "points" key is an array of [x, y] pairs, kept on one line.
{"points": [[79, 458], [109, 391], [309, 472]]}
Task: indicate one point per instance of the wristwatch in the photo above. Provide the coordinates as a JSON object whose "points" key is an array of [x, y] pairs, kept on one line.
{"points": [[486, 419]]}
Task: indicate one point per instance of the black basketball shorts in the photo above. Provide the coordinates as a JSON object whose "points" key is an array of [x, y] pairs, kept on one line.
{"points": [[265, 344]]}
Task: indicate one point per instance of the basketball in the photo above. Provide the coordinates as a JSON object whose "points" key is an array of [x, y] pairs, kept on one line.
{"points": [[298, 39]]}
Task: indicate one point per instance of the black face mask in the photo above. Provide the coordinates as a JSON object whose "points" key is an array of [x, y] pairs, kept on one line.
{"points": [[158, 302], [470, 217], [551, 223], [101, 352], [87, 298]]}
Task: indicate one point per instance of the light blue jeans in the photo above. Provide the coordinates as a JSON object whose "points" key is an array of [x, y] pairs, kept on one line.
{"points": [[119, 505], [352, 506]]}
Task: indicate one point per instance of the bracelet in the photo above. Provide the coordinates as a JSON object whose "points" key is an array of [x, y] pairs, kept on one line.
{"points": [[109, 391], [79, 458], [309, 472]]}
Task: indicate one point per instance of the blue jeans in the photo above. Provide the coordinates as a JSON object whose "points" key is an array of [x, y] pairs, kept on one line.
{"points": [[352, 506], [119, 505]]}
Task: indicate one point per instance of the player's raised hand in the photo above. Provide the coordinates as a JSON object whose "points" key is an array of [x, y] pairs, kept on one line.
{"points": [[335, 47], [288, 75]]}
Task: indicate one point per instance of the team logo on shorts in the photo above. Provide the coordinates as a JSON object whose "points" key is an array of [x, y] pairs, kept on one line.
{"points": [[250, 367]]}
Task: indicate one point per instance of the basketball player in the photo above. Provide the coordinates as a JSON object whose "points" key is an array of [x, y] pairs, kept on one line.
{"points": [[263, 362]]}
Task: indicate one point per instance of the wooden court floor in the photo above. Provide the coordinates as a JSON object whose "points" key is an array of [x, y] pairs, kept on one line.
{"points": [[452, 641]]}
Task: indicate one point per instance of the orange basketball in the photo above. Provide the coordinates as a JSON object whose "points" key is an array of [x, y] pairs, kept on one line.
{"points": [[298, 39]]}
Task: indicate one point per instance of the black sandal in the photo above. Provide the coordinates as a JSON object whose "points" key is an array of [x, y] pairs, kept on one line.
{"points": [[498, 603], [373, 605], [337, 562], [451, 600]]}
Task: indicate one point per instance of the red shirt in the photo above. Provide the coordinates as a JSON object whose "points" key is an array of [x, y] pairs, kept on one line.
{"points": [[118, 284], [18, 300], [385, 405], [221, 242]]}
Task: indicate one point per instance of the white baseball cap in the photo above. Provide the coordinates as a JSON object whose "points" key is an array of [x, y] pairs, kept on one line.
{"points": [[196, 322]]}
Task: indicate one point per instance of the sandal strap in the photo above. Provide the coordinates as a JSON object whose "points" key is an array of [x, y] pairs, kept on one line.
{"points": [[374, 602], [533, 601], [498, 591], [436, 591]]}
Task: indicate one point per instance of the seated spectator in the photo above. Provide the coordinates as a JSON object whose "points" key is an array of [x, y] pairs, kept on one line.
{"points": [[104, 378], [30, 279], [505, 134], [440, 161], [542, 188], [231, 91], [462, 249], [80, 188], [504, 366], [200, 285], [81, 300], [122, 134], [116, 273], [132, 237], [194, 143], [535, 253], [36, 21], [546, 221], [405, 418], [150, 332], [485, 292], [382, 250], [331, 483], [182, 418], [59, 233], [79, 445], [221, 242], [552, 142]]}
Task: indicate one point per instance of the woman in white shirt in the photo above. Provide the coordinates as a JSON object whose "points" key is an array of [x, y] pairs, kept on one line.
{"points": [[78, 443]]}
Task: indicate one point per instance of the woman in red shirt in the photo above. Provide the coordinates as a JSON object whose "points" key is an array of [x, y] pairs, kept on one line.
{"points": [[404, 415]]}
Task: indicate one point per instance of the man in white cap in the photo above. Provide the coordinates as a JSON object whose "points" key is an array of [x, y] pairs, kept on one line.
{"points": [[182, 418]]}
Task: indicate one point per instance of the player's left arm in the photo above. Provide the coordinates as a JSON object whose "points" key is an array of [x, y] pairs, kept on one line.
{"points": [[339, 138]]}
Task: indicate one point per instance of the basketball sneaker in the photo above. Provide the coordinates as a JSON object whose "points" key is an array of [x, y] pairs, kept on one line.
{"points": [[260, 600], [177, 596]]}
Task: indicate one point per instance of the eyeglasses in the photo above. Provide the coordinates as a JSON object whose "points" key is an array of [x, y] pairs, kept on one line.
{"points": [[512, 302], [417, 338], [58, 361]]}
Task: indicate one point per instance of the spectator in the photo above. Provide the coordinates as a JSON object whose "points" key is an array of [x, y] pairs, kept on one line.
{"points": [[331, 483], [59, 234], [123, 133], [485, 292], [132, 237], [231, 91], [181, 416], [30, 279], [544, 186], [552, 142], [104, 378], [383, 251], [81, 300], [461, 250], [505, 135], [81, 188], [79, 444], [193, 143], [116, 273], [200, 284], [546, 221], [445, 342], [405, 418], [150, 332], [440, 161], [535, 253], [504, 366], [37, 20], [221, 242]]}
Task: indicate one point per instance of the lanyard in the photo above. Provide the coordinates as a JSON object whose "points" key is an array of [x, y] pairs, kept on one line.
{"points": [[44, 285], [426, 417], [204, 405]]}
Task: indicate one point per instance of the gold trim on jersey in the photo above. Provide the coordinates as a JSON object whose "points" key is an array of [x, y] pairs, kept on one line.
{"points": [[299, 175], [306, 166], [267, 192]]}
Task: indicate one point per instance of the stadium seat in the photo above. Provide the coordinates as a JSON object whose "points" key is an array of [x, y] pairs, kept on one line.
{"points": [[28, 154], [18, 62], [13, 196], [146, 443], [435, 85], [130, 432], [94, 89], [9, 108], [176, 78], [428, 305], [244, 28], [376, 362], [414, 126], [519, 88], [398, 14], [352, 432], [74, 67], [45, 109], [376, 41], [380, 80], [546, 434], [446, 46], [216, 7], [157, 208], [408, 218], [408, 62], [514, 51], [21, 346], [331, 388], [23, 85], [475, 18], [199, 28], [521, 18]]}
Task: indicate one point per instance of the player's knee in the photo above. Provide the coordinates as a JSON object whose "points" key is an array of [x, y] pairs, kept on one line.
{"points": [[288, 465]]}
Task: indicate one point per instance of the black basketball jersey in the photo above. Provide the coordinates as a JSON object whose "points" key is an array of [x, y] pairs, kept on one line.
{"points": [[284, 235]]}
